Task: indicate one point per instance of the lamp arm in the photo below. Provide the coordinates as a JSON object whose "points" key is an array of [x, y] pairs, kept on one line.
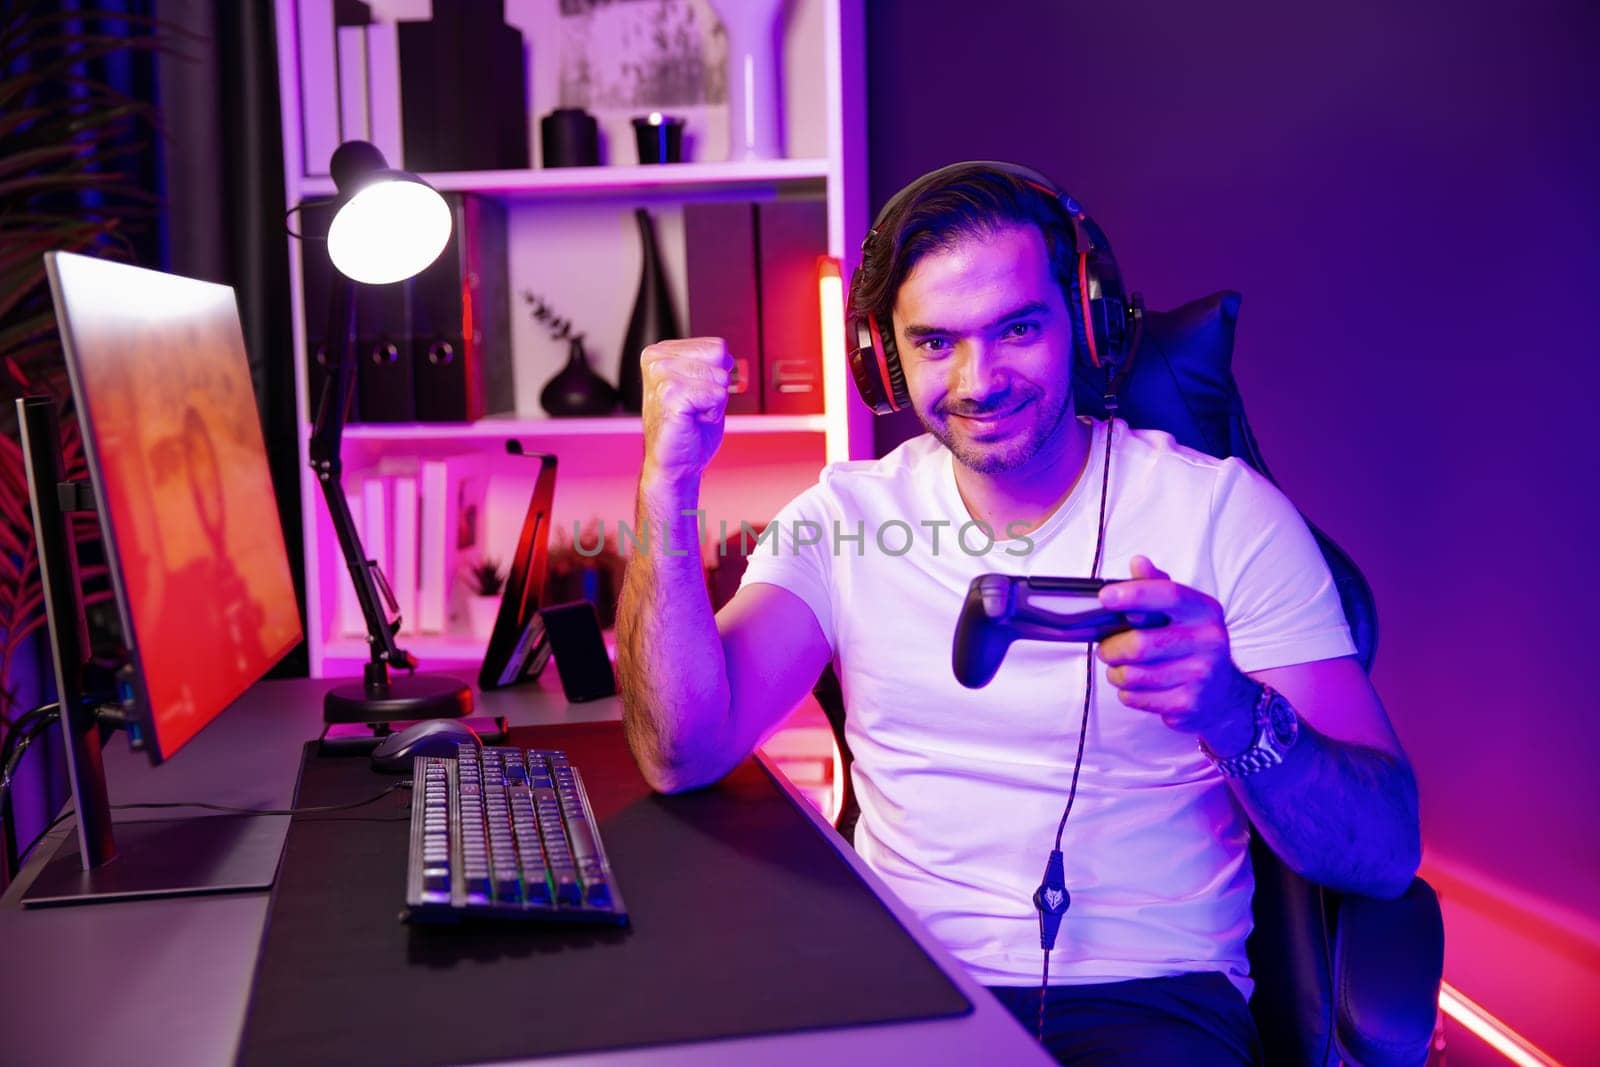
{"points": [[338, 378], [333, 407]]}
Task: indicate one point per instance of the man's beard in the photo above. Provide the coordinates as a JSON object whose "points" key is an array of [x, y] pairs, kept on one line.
{"points": [[1009, 454]]}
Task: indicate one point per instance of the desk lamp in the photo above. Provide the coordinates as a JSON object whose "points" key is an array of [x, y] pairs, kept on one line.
{"points": [[388, 225]]}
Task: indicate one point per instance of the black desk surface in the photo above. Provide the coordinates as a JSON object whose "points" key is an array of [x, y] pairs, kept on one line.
{"points": [[167, 981]]}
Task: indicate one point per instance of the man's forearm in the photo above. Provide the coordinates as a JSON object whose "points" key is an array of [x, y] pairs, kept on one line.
{"points": [[1343, 815], [669, 656]]}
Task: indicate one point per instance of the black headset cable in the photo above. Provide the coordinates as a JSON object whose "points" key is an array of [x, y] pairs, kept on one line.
{"points": [[1052, 907]]}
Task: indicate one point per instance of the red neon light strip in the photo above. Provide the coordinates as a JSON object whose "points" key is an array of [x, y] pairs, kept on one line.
{"points": [[1494, 1033]]}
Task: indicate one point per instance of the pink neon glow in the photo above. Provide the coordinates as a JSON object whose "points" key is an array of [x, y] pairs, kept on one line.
{"points": [[830, 290], [1496, 1034]]}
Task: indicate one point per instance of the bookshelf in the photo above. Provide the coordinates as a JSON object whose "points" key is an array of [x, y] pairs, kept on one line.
{"points": [[571, 240], [722, 178], [624, 426]]}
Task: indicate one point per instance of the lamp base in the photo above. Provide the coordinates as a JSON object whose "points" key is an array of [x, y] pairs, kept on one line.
{"points": [[404, 697]]}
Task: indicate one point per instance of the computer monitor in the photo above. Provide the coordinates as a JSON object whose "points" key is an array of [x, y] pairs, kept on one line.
{"points": [[519, 648], [179, 474]]}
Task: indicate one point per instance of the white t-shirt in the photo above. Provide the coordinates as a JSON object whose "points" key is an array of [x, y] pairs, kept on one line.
{"points": [[961, 790]]}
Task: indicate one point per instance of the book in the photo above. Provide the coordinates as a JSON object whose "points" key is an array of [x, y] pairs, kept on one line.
{"points": [[450, 536], [375, 530], [351, 623], [403, 533], [319, 74], [351, 48], [383, 91]]}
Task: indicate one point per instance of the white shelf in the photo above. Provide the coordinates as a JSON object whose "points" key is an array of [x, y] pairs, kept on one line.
{"points": [[677, 179], [603, 426]]}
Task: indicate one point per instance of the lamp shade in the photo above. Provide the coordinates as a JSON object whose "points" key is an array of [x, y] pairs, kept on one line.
{"points": [[390, 224]]}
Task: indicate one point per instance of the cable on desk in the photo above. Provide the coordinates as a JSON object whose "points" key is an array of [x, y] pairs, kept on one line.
{"points": [[24, 731], [315, 810]]}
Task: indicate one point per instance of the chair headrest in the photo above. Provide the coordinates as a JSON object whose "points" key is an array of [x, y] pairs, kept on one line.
{"points": [[1179, 377]]}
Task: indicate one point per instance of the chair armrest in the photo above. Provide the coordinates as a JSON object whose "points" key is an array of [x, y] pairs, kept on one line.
{"points": [[1388, 960]]}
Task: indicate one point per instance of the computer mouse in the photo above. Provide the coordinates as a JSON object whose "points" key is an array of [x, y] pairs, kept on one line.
{"points": [[433, 737]]}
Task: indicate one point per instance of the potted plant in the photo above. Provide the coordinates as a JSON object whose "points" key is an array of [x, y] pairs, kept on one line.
{"points": [[588, 568], [486, 580]]}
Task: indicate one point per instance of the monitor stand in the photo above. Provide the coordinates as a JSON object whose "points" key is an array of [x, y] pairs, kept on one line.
{"points": [[103, 860], [166, 858]]}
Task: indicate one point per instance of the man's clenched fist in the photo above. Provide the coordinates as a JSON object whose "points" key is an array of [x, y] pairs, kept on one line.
{"points": [[685, 396]]}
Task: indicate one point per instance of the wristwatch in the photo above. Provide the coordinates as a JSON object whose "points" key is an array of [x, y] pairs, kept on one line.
{"points": [[1277, 726]]}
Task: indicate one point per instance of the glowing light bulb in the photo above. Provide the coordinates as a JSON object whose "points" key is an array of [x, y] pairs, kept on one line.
{"points": [[389, 231]]}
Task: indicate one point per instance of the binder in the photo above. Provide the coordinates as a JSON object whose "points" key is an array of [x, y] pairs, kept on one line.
{"points": [[720, 256], [385, 379], [460, 350], [791, 235]]}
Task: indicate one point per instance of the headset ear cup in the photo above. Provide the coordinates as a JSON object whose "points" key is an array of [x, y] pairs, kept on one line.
{"points": [[864, 366], [1080, 338], [875, 366], [894, 371], [1108, 301]]}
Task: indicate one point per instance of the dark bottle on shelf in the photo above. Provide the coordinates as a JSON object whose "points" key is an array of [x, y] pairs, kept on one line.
{"points": [[653, 317], [576, 389]]}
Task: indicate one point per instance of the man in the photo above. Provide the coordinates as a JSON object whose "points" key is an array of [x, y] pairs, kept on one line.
{"points": [[973, 270]]}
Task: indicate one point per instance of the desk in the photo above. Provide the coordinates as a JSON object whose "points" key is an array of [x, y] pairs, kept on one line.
{"points": [[167, 981]]}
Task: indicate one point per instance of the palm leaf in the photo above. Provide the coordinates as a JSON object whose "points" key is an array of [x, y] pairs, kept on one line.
{"points": [[67, 147]]}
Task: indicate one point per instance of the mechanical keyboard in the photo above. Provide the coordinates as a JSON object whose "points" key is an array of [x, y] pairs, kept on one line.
{"points": [[506, 833]]}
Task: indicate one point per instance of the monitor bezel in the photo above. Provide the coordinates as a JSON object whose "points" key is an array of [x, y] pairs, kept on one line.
{"points": [[133, 690]]}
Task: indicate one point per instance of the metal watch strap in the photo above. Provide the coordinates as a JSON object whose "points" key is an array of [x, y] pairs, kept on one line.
{"points": [[1262, 753]]}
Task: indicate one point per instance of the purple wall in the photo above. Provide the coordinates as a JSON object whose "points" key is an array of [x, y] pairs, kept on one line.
{"points": [[1406, 199]]}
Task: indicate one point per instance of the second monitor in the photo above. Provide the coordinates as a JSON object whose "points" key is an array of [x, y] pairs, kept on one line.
{"points": [[518, 646]]}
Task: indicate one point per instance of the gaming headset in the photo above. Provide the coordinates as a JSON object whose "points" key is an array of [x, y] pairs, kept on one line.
{"points": [[1099, 308]]}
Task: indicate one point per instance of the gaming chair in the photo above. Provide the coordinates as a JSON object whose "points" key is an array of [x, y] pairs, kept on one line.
{"points": [[1338, 977]]}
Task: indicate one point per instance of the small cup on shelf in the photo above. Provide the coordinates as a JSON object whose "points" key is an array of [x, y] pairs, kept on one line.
{"points": [[570, 137], [659, 137]]}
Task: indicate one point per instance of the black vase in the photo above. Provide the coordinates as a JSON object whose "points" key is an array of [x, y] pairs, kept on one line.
{"points": [[653, 318], [576, 389]]}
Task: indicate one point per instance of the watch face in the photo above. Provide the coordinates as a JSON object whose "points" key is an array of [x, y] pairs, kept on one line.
{"points": [[1284, 723]]}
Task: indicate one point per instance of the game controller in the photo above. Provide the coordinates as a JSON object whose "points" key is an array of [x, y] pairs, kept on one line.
{"points": [[1002, 608]]}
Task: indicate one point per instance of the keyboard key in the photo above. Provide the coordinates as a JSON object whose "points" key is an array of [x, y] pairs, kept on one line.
{"points": [[567, 890], [583, 843]]}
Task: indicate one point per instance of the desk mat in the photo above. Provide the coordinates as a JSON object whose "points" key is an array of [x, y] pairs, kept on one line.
{"points": [[744, 920]]}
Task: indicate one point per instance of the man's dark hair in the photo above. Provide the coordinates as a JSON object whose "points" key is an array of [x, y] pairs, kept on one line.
{"points": [[939, 209]]}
